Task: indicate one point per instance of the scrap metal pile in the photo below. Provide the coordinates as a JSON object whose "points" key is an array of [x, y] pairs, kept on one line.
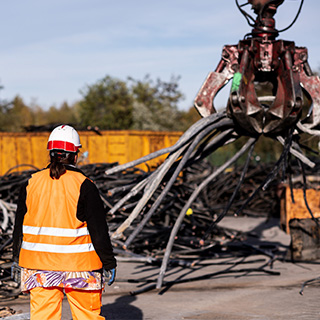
{"points": [[171, 215], [149, 238], [150, 242]]}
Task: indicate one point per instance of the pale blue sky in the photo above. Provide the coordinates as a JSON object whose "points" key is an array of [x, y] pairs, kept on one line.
{"points": [[52, 49]]}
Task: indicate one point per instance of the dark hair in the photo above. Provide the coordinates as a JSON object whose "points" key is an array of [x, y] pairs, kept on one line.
{"points": [[57, 161]]}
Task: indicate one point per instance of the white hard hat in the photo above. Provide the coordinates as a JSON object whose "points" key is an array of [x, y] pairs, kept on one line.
{"points": [[64, 138]]}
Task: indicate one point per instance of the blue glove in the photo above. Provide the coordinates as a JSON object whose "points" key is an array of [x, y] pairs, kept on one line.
{"points": [[111, 275], [16, 273]]}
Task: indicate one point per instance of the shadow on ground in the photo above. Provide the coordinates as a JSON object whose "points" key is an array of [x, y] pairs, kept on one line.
{"points": [[122, 309]]}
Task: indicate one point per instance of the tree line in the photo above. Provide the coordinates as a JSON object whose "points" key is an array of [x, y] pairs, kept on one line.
{"points": [[115, 104], [108, 104]]}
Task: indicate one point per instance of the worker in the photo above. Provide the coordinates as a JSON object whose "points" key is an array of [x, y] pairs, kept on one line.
{"points": [[61, 239]]}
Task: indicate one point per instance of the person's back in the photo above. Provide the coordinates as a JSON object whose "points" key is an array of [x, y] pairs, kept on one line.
{"points": [[51, 227], [61, 237]]}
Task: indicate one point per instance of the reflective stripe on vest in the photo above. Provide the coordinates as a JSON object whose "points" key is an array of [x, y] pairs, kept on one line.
{"points": [[58, 232], [54, 248]]}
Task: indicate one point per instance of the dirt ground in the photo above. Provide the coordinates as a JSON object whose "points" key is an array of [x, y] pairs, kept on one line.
{"points": [[233, 288]]}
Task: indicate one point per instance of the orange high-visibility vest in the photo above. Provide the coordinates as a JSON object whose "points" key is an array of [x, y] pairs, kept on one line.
{"points": [[53, 237]]}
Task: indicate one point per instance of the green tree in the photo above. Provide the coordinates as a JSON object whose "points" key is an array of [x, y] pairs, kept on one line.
{"points": [[136, 104], [4, 107], [14, 116], [156, 104], [107, 104], [63, 114], [188, 118], [69, 112], [39, 116]]}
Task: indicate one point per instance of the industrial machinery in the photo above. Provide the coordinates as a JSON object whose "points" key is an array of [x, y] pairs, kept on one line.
{"points": [[273, 93], [272, 80]]}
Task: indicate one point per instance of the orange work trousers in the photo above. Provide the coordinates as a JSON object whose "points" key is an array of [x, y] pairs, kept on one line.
{"points": [[46, 303]]}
